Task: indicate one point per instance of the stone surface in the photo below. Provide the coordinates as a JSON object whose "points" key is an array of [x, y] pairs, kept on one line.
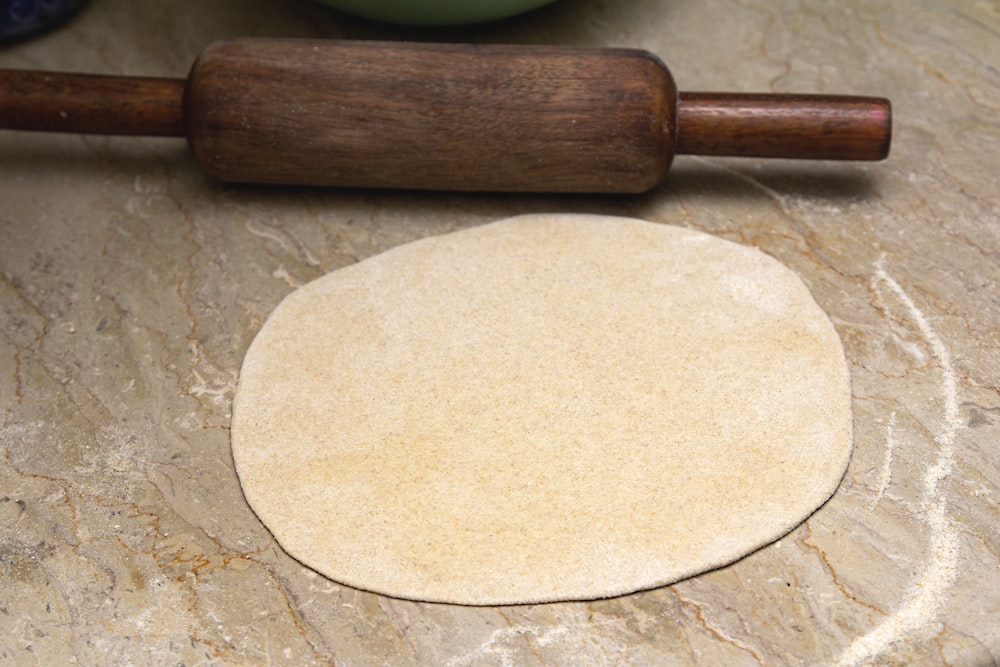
{"points": [[131, 285]]}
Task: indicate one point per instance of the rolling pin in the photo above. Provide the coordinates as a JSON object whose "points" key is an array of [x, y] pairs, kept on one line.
{"points": [[442, 116]]}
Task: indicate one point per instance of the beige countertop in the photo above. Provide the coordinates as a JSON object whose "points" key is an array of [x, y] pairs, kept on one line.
{"points": [[131, 286]]}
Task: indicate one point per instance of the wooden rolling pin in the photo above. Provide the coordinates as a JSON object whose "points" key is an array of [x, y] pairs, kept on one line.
{"points": [[443, 117]]}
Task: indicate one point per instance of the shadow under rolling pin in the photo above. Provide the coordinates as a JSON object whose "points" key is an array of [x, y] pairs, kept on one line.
{"points": [[443, 116]]}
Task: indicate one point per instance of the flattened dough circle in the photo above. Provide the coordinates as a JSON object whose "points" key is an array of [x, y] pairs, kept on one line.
{"points": [[549, 407]]}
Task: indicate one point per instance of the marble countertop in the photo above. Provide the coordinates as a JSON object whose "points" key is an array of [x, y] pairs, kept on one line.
{"points": [[131, 285]]}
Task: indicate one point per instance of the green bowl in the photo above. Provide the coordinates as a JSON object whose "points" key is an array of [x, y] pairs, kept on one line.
{"points": [[435, 12]]}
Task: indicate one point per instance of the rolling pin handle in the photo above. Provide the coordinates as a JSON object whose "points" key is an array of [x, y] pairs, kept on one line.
{"points": [[815, 127], [91, 104]]}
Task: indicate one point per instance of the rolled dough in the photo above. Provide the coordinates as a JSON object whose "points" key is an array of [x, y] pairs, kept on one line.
{"points": [[550, 407]]}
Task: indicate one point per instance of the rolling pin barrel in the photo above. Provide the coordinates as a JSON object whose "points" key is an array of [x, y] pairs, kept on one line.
{"points": [[444, 117]]}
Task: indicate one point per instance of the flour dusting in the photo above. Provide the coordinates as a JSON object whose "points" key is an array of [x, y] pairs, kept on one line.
{"points": [[927, 590]]}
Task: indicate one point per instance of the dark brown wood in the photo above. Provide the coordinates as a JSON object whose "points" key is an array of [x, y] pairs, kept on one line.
{"points": [[824, 127], [431, 116], [444, 117], [91, 104]]}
